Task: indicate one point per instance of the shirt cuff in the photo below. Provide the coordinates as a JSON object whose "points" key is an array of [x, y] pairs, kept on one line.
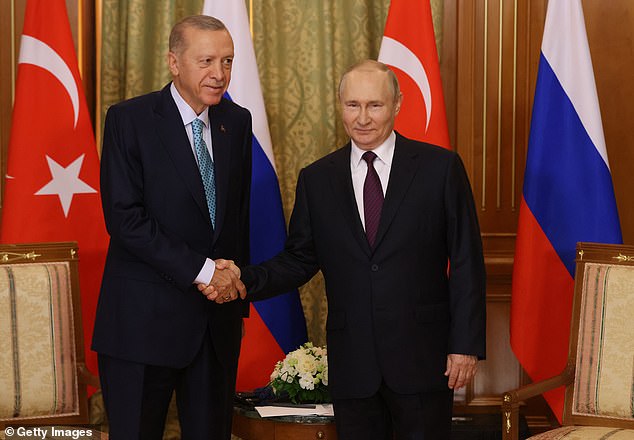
{"points": [[206, 273]]}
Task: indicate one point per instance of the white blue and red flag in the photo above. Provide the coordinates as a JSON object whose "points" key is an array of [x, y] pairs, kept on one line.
{"points": [[275, 326], [567, 197]]}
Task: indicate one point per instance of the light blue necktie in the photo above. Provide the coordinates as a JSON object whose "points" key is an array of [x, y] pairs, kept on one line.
{"points": [[206, 166]]}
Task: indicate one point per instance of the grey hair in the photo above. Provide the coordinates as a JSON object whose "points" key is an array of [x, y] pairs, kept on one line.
{"points": [[202, 22], [372, 66]]}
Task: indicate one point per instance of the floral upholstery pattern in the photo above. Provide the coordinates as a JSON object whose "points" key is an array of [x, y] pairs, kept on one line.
{"points": [[604, 379], [586, 433], [599, 374], [38, 375]]}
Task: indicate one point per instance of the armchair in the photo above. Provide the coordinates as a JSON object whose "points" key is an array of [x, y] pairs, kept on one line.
{"points": [[599, 375], [43, 376]]}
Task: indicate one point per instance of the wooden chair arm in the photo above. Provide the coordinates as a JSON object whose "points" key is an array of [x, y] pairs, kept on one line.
{"points": [[86, 377], [511, 400]]}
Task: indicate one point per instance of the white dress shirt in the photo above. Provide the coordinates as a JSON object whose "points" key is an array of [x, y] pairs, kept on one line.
{"points": [[188, 115], [359, 169]]}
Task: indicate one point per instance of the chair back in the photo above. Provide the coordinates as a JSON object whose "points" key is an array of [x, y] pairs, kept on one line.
{"points": [[602, 338], [41, 338]]}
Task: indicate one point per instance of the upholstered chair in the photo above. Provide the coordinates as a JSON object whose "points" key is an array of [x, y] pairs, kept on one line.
{"points": [[599, 376], [43, 377]]}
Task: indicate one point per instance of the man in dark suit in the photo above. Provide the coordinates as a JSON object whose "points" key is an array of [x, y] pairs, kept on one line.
{"points": [[382, 217], [175, 180]]}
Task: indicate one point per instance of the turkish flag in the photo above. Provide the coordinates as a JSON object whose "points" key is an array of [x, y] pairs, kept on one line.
{"points": [[409, 48], [52, 182]]}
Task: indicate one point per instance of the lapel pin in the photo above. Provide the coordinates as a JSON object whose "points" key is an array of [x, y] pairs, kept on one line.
{"points": [[222, 128]]}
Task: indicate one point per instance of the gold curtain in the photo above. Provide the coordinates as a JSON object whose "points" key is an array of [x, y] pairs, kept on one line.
{"points": [[302, 47], [134, 36]]}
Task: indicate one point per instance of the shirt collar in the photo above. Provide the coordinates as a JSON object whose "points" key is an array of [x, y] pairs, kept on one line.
{"points": [[384, 152], [186, 112]]}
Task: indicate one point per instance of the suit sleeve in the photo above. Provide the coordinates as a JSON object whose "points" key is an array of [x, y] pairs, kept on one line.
{"points": [[128, 221], [243, 246], [467, 278], [244, 217], [296, 264]]}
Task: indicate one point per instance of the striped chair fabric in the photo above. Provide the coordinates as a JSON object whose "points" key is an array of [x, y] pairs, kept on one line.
{"points": [[38, 374]]}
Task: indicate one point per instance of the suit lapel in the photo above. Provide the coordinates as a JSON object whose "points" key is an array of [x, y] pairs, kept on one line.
{"points": [[173, 136], [221, 145], [343, 191], [404, 167]]}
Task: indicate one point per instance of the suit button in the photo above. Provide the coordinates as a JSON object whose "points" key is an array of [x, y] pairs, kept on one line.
{"points": [[374, 268]]}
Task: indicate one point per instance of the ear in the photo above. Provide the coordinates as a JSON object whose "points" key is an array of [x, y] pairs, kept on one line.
{"points": [[397, 104], [172, 62]]}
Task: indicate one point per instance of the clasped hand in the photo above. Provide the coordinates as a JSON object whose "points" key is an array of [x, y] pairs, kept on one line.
{"points": [[225, 285]]}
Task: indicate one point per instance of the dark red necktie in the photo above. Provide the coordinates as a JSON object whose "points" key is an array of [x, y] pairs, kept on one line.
{"points": [[372, 198]]}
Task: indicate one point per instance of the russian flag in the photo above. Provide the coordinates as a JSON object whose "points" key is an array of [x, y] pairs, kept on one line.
{"points": [[567, 196], [275, 326]]}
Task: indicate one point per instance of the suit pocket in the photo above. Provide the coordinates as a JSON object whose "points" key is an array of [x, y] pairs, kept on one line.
{"points": [[432, 313], [336, 320]]}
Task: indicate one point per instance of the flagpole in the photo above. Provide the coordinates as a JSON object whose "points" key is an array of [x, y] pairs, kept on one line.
{"points": [[98, 25], [251, 17], [14, 66], [80, 39]]}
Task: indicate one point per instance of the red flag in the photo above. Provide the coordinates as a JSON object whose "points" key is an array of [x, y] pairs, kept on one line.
{"points": [[409, 48], [52, 182]]}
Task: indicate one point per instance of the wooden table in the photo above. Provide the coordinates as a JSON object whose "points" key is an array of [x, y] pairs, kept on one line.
{"points": [[248, 425]]}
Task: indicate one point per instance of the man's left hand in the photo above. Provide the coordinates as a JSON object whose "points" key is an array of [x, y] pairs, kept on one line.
{"points": [[460, 369]]}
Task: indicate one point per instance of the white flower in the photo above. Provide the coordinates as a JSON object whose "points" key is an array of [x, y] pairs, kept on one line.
{"points": [[307, 382], [307, 365], [303, 374]]}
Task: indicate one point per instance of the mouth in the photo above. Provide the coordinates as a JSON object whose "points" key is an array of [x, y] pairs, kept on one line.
{"points": [[215, 88]]}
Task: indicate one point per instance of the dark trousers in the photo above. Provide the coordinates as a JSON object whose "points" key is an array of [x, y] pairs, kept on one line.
{"points": [[137, 397], [388, 415]]}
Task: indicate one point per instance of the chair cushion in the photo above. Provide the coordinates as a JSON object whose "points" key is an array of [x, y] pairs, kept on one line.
{"points": [[604, 379], [585, 433], [38, 376]]}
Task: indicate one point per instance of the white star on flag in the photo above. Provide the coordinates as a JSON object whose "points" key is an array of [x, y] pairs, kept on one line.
{"points": [[65, 183]]}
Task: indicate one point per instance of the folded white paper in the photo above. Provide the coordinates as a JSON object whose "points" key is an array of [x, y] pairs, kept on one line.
{"points": [[279, 411]]}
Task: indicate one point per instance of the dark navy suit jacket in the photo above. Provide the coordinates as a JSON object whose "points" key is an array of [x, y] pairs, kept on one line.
{"points": [[393, 312], [160, 232]]}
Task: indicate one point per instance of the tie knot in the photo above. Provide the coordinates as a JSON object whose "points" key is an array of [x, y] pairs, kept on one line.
{"points": [[369, 157], [197, 126]]}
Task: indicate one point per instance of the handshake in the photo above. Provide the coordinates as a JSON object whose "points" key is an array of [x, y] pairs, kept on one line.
{"points": [[225, 285]]}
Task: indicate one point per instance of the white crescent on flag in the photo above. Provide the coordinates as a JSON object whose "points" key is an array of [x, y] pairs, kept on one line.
{"points": [[394, 53], [38, 53]]}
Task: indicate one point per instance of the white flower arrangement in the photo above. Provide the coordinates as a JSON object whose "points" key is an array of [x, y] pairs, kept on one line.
{"points": [[303, 375]]}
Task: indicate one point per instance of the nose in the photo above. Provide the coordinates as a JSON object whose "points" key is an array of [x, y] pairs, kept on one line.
{"points": [[216, 71], [364, 116]]}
